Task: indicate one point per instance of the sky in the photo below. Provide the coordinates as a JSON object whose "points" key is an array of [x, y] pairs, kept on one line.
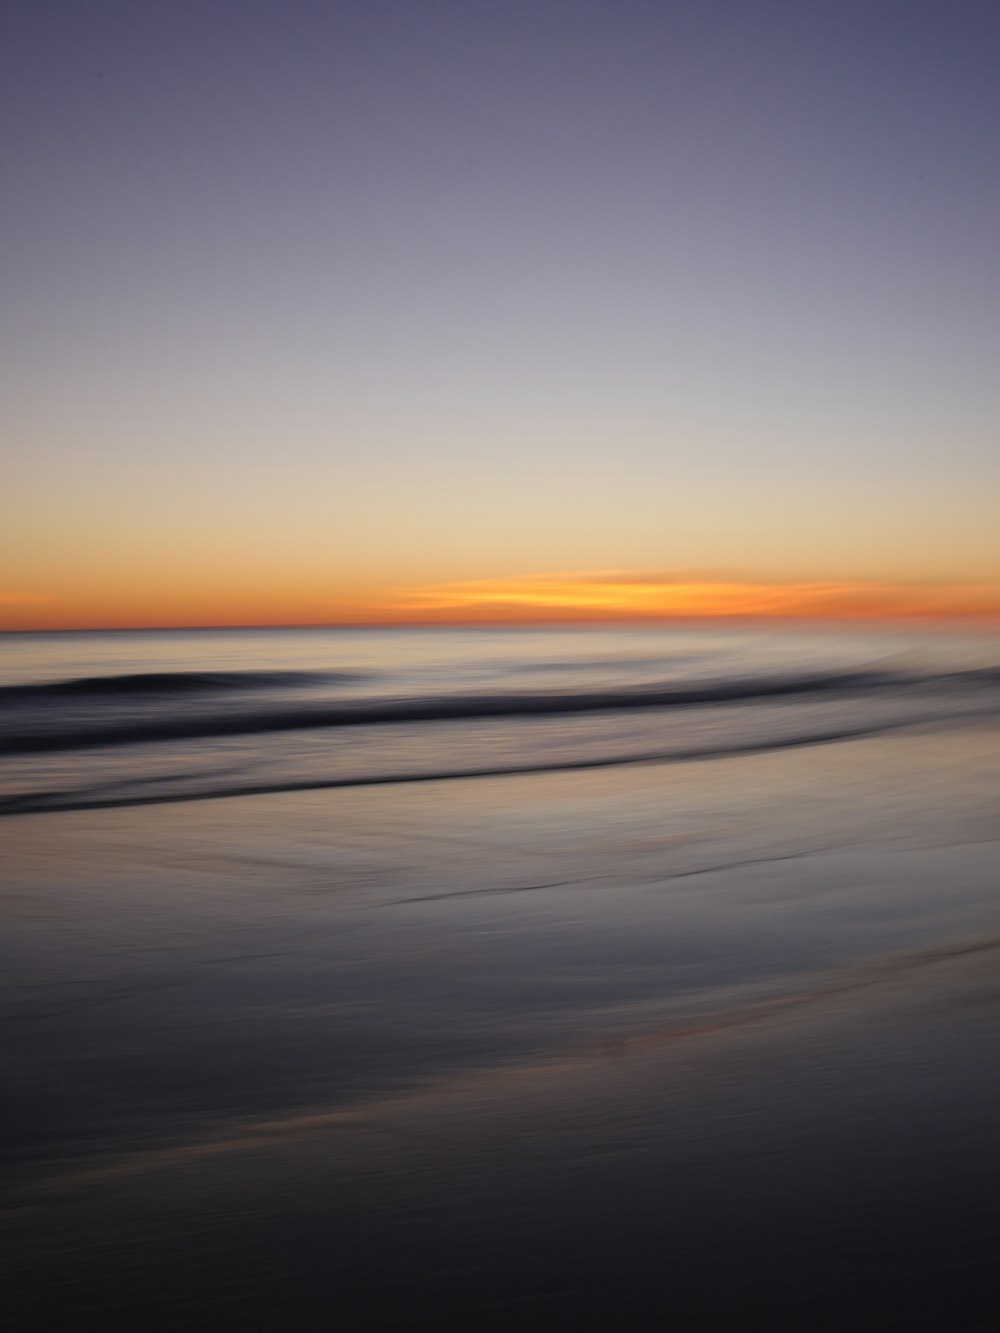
{"points": [[377, 311]]}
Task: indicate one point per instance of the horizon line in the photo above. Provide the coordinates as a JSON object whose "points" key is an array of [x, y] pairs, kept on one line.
{"points": [[984, 619]]}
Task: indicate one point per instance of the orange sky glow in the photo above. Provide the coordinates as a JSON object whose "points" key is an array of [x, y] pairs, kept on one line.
{"points": [[560, 597]]}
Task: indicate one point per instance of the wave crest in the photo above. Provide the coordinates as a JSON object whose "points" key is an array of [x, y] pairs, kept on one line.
{"points": [[171, 682]]}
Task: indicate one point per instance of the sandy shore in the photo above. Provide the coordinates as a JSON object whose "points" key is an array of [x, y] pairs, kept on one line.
{"points": [[695, 1048]]}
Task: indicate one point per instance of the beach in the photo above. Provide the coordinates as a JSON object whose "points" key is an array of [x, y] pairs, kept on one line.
{"points": [[500, 668], [699, 1045]]}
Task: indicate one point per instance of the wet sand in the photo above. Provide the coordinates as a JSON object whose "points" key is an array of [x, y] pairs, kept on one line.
{"points": [[711, 1047]]}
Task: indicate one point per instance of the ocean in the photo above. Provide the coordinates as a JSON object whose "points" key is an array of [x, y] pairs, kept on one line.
{"points": [[89, 720], [474, 978]]}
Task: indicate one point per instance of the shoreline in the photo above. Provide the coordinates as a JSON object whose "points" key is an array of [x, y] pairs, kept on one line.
{"points": [[637, 1044]]}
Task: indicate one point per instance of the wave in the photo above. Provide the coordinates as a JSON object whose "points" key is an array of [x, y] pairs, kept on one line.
{"points": [[171, 682], [436, 708], [49, 802], [59, 733]]}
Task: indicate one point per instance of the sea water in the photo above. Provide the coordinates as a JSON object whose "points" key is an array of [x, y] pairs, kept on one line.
{"points": [[117, 718]]}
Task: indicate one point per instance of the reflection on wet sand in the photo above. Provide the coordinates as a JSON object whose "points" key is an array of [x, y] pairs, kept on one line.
{"points": [[577, 1051]]}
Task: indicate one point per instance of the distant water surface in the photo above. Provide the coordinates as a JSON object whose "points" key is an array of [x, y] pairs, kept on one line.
{"points": [[117, 718]]}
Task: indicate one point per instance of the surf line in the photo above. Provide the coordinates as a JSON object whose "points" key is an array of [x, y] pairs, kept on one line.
{"points": [[48, 802]]}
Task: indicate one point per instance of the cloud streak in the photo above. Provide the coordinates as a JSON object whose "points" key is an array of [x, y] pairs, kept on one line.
{"points": [[623, 595]]}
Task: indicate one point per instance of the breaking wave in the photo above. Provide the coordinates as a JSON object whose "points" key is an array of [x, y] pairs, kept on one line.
{"points": [[98, 727], [169, 682]]}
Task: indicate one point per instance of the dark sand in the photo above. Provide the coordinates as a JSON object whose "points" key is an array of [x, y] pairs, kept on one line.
{"points": [[695, 1048]]}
